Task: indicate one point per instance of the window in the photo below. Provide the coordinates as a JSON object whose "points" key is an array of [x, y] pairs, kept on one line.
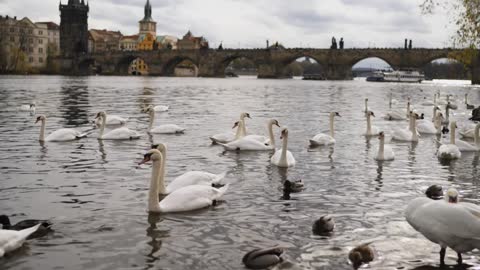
{"points": [[12, 30], [30, 31], [40, 32], [30, 49], [40, 59], [30, 59], [30, 40], [12, 39], [40, 50], [40, 41]]}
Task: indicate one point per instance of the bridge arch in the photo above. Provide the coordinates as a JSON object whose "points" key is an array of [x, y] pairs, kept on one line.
{"points": [[88, 66], [223, 63], [170, 65], [446, 68], [309, 67], [123, 66], [357, 60]]}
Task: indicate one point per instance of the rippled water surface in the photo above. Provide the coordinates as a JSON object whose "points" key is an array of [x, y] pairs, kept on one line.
{"points": [[96, 195]]}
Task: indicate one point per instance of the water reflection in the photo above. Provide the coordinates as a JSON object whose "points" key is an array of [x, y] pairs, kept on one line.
{"points": [[156, 236], [75, 104]]}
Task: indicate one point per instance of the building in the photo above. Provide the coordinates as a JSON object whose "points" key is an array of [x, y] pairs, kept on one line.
{"points": [[129, 43], [53, 37], [138, 67], [190, 42], [100, 41], [147, 24], [167, 42], [146, 42], [23, 45], [73, 28]]}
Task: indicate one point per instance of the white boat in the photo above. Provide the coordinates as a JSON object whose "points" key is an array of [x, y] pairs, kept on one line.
{"points": [[405, 75]]}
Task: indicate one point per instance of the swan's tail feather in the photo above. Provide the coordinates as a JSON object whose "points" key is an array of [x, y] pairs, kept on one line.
{"points": [[220, 191], [218, 178], [214, 141], [27, 232]]}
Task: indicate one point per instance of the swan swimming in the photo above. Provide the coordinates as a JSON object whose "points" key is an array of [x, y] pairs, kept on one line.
{"points": [[407, 134], [162, 129], [397, 114], [385, 151], [448, 223], [187, 198], [283, 157], [11, 240], [450, 151], [188, 178], [122, 133], [59, 135], [228, 136], [158, 108], [111, 120], [267, 141], [371, 130], [324, 139], [464, 146], [425, 126], [248, 143]]}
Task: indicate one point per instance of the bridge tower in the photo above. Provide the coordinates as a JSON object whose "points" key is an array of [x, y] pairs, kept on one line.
{"points": [[73, 28], [147, 24]]}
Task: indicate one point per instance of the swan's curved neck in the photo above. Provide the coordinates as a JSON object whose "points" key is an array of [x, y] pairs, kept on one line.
{"points": [[239, 134], [447, 112], [332, 128], [102, 126], [381, 148], [270, 134], [153, 205], [410, 122], [414, 129], [244, 129], [438, 122], [42, 131], [435, 109], [369, 124], [283, 155], [152, 119], [452, 133], [366, 105], [408, 108], [477, 136], [161, 177]]}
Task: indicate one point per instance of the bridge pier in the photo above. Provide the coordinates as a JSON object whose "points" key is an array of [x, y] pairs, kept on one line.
{"points": [[271, 71], [338, 72], [475, 70]]}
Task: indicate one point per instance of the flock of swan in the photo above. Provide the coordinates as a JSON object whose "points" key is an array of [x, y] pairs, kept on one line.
{"points": [[447, 222]]}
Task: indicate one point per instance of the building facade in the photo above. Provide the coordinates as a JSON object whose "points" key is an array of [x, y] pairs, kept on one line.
{"points": [[100, 41], [190, 42], [73, 28], [23, 45], [53, 31], [146, 42], [129, 43]]}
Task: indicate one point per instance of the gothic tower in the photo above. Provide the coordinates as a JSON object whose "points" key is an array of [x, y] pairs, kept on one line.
{"points": [[147, 24], [73, 28]]}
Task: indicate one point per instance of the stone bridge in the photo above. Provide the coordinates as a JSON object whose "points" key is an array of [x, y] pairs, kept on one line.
{"points": [[270, 63]]}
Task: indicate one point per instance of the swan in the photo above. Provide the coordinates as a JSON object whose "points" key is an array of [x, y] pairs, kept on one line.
{"points": [[430, 103], [360, 255], [228, 136], [162, 129], [446, 120], [324, 139], [371, 130], [263, 139], [397, 114], [446, 222], [450, 151], [183, 199], [366, 109], [409, 134], [59, 135], [385, 151], [262, 258], [391, 101], [11, 240], [188, 178], [467, 130], [427, 127], [158, 108], [28, 108], [42, 230], [283, 157], [324, 225], [464, 146], [249, 144], [242, 118], [122, 133], [112, 120]]}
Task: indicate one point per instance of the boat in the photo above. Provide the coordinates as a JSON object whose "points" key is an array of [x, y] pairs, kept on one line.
{"points": [[403, 75]]}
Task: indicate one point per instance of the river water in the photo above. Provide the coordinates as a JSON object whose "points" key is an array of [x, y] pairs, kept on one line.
{"points": [[96, 196]]}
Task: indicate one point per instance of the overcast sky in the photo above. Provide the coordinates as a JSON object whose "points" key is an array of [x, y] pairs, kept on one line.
{"points": [[248, 23]]}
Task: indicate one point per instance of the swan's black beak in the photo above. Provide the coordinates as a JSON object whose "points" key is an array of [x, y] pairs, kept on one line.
{"points": [[146, 158]]}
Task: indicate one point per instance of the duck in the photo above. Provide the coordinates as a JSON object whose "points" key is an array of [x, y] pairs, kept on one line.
{"points": [[122, 133], [261, 258], [162, 129], [282, 157], [59, 135], [11, 240], [449, 151], [408, 134], [43, 229], [447, 222], [187, 198], [324, 225], [324, 139], [228, 136], [361, 255], [385, 151], [293, 186], [371, 130], [434, 192], [189, 178]]}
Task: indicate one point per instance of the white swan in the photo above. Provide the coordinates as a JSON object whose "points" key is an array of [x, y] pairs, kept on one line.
{"points": [[11, 240], [391, 101], [59, 135], [283, 157], [28, 108], [188, 178], [264, 139], [447, 223], [385, 151], [122, 133], [242, 118], [183, 199], [397, 114], [112, 120], [158, 108], [446, 120], [450, 151], [409, 134], [371, 130], [162, 129], [366, 109], [430, 103], [464, 146], [467, 130], [228, 136], [249, 144], [324, 139], [425, 126]]}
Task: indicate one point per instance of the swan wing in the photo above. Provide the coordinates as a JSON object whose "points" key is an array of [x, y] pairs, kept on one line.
{"points": [[167, 129], [190, 198], [465, 146], [426, 127], [246, 144], [395, 115], [322, 139], [223, 137], [63, 134], [259, 138], [448, 151], [161, 108], [194, 178], [402, 135], [122, 133], [115, 120], [11, 240]]}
